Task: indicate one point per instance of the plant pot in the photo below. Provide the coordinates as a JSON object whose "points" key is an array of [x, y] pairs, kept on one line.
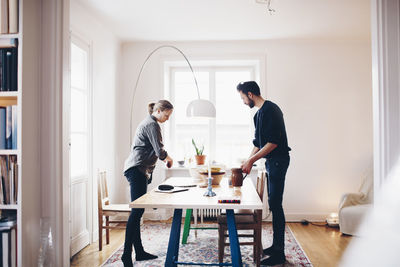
{"points": [[200, 159]]}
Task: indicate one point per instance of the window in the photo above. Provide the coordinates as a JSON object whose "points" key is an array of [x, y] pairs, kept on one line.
{"points": [[227, 138]]}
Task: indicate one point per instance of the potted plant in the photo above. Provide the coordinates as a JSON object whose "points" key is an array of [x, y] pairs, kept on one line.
{"points": [[200, 158]]}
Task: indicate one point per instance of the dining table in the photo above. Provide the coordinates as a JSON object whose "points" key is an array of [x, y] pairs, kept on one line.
{"points": [[226, 197]]}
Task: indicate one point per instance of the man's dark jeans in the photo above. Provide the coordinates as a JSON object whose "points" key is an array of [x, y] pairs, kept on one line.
{"points": [[276, 168], [138, 183]]}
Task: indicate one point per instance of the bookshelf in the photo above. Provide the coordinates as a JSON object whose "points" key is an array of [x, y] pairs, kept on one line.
{"points": [[10, 199]]}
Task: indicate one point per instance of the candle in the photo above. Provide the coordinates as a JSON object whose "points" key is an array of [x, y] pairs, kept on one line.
{"points": [[209, 169]]}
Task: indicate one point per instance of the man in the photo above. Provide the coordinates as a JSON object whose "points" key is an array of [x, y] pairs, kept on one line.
{"points": [[270, 142]]}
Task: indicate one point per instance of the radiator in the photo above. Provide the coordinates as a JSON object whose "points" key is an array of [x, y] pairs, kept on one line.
{"points": [[206, 214]]}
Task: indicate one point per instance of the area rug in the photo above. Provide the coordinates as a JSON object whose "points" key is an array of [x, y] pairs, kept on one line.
{"points": [[204, 247]]}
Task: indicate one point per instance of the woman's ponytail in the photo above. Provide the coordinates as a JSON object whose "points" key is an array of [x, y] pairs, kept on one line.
{"points": [[151, 108]]}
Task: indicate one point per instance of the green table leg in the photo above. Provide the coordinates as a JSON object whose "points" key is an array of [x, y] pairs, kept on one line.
{"points": [[186, 227]]}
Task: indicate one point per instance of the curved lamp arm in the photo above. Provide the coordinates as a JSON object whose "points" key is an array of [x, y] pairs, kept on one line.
{"points": [[199, 103]]}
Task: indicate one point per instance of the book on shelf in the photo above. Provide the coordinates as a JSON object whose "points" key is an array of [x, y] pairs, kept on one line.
{"points": [[12, 16], [2, 128], [14, 110], [9, 180], [9, 68], [8, 16], [5, 181], [8, 127], [3, 16]]}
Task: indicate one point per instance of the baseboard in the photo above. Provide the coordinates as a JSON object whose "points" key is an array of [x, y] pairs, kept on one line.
{"points": [[165, 214], [95, 236], [298, 217], [79, 242]]}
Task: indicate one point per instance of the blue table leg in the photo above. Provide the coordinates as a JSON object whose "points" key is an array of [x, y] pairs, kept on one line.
{"points": [[233, 239], [173, 244]]}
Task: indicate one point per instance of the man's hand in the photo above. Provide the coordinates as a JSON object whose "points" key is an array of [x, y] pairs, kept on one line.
{"points": [[247, 166], [255, 155], [168, 161]]}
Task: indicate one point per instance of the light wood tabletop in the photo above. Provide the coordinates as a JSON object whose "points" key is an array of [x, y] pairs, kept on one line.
{"points": [[193, 198]]}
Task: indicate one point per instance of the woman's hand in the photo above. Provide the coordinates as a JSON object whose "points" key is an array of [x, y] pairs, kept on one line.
{"points": [[168, 161]]}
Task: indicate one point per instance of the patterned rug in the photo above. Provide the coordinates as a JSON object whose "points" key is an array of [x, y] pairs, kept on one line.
{"points": [[204, 248]]}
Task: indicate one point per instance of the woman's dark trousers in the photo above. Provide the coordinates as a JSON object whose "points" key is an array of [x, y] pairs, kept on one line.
{"points": [[138, 184]]}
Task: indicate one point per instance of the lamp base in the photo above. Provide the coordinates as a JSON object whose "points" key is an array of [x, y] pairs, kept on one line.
{"points": [[209, 194], [332, 222]]}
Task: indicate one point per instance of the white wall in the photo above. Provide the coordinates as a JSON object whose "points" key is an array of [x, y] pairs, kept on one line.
{"points": [[105, 68], [323, 88]]}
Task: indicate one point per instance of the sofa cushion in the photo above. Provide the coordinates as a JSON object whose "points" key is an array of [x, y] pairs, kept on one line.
{"points": [[350, 218]]}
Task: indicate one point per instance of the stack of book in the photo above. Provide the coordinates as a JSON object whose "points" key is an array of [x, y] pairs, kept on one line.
{"points": [[8, 251], [9, 179]]}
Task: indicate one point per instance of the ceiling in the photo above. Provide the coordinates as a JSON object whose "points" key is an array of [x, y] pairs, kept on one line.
{"points": [[205, 20]]}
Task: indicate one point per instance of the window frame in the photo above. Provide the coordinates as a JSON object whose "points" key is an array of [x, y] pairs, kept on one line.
{"points": [[211, 66]]}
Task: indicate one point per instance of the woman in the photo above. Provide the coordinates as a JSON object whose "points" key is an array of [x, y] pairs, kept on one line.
{"points": [[146, 148]]}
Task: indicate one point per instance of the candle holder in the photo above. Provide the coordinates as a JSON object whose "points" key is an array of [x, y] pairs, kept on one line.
{"points": [[209, 192]]}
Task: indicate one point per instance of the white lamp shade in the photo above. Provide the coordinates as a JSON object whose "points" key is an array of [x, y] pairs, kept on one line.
{"points": [[201, 108]]}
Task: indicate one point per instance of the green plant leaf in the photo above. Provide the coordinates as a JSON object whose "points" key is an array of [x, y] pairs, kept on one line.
{"points": [[201, 151], [198, 151]]}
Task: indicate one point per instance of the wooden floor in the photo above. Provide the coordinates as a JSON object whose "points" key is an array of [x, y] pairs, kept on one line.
{"points": [[323, 245]]}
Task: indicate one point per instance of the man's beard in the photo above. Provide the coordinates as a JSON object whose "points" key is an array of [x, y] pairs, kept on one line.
{"points": [[251, 103]]}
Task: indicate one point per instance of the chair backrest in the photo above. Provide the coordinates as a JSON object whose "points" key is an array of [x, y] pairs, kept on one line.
{"points": [[261, 184], [102, 192]]}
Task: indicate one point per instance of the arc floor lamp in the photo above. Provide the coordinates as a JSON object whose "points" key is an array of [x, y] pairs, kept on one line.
{"points": [[196, 108]]}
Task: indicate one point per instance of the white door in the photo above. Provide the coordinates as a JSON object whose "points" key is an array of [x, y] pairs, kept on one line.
{"points": [[80, 149]]}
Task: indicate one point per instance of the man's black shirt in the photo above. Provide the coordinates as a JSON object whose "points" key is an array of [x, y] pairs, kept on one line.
{"points": [[270, 128]]}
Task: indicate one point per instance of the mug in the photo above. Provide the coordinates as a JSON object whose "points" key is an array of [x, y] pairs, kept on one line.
{"points": [[237, 177]]}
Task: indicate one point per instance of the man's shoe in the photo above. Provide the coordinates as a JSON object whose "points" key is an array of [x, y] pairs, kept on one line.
{"points": [[275, 259], [144, 256], [269, 251]]}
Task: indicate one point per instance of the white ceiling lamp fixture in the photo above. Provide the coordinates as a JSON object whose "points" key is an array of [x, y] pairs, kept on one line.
{"points": [[270, 10], [196, 108]]}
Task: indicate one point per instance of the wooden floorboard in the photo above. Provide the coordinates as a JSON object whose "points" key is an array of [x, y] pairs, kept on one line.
{"points": [[90, 256], [323, 245]]}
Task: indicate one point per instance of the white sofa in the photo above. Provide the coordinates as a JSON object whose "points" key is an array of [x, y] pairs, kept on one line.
{"points": [[354, 206]]}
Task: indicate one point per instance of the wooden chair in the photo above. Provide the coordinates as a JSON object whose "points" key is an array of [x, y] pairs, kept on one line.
{"points": [[105, 210], [245, 220]]}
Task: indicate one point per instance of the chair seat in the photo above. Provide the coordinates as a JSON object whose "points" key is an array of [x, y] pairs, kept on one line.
{"points": [[239, 218], [117, 207], [243, 211], [107, 211]]}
